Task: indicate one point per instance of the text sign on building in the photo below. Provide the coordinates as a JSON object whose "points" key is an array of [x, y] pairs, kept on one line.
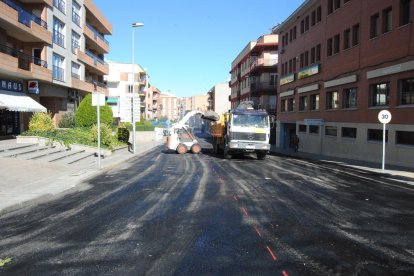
{"points": [[13, 86], [307, 72], [287, 79], [33, 87], [314, 122]]}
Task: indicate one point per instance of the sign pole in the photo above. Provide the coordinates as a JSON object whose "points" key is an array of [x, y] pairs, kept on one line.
{"points": [[384, 116], [99, 134]]}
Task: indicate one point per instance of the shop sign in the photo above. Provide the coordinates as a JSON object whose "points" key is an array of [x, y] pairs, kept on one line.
{"points": [[33, 87], [314, 122], [307, 72], [287, 79], [13, 86]]}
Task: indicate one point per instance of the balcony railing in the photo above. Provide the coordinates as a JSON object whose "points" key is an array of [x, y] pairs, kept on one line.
{"points": [[24, 60], [94, 82], [75, 46], [60, 5], [58, 38], [97, 34], [24, 16], [263, 86], [75, 17], [76, 75], [95, 57], [58, 73], [263, 62]]}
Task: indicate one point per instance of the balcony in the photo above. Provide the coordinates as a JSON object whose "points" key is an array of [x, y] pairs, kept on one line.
{"points": [[58, 73], [59, 38], [96, 40], [21, 65], [76, 18], [98, 86], [96, 18], [46, 2], [261, 62], [93, 62], [75, 46], [263, 86], [23, 25]]}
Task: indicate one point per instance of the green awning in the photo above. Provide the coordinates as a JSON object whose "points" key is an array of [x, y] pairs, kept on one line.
{"points": [[112, 100]]}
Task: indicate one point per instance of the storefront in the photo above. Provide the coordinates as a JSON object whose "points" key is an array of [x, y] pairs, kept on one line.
{"points": [[13, 102]]}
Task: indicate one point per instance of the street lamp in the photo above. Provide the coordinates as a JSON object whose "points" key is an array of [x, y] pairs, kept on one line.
{"points": [[134, 25]]}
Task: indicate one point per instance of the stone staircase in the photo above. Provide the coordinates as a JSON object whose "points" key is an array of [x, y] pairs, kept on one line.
{"points": [[47, 153]]}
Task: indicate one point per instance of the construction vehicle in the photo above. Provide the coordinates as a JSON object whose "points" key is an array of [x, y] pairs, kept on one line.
{"points": [[180, 136], [243, 130]]}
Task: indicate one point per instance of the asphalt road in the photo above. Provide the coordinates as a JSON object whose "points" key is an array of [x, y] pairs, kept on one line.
{"points": [[170, 214]]}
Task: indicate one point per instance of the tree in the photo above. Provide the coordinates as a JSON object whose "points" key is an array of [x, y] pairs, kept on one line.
{"points": [[86, 113]]}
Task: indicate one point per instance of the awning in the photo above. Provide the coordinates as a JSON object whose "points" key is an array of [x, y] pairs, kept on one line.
{"points": [[112, 100], [19, 102]]}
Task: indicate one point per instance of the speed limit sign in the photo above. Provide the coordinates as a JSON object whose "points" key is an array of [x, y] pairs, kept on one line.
{"points": [[384, 116]]}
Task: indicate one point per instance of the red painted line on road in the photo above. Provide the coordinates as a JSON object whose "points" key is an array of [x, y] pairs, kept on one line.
{"points": [[284, 273], [271, 253], [245, 211], [257, 231]]}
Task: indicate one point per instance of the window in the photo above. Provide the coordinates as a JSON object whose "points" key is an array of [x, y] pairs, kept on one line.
{"points": [[60, 5], [290, 66], [330, 6], [331, 131], [306, 23], [313, 18], [314, 102], [380, 94], [76, 11], [347, 38], [58, 28], [376, 135], [333, 5], [318, 52], [355, 35], [346, 1], [406, 91], [130, 88], [349, 132], [58, 71], [329, 47], [332, 100], [302, 128], [374, 25], [306, 63], [405, 12], [75, 70], [283, 105], [404, 137], [387, 20], [314, 129], [302, 59], [318, 14], [336, 44], [291, 104], [294, 64], [75, 42], [290, 35], [350, 98], [303, 103], [302, 26]]}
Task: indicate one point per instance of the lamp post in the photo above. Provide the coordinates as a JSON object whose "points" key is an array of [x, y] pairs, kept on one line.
{"points": [[134, 25]]}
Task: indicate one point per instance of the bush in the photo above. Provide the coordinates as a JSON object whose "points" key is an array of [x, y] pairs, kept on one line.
{"points": [[86, 114], [126, 125], [68, 120], [41, 122], [123, 134], [106, 134]]}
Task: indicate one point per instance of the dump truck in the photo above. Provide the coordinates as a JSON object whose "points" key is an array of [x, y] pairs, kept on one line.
{"points": [[244, 130]]}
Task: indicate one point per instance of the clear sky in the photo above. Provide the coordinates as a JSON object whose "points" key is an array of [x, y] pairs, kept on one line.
{"points": [[187, 46]]}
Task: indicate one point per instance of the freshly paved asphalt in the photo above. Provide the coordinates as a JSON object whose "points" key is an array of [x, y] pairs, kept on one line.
{"points": [[167, 214]]}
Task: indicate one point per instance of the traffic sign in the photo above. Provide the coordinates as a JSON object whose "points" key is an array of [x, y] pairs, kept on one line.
{"points": [[384, 116]]}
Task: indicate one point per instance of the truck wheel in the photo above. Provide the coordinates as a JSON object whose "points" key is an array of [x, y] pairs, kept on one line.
{"points": [[181, 149], [261, 155], [196, 148]]}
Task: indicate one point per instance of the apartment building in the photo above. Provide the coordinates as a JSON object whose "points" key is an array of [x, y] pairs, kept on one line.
{"points": [[254, 74], [218, 98], [340, 64], [123, 82], [52, 55], [168, 106], [155, 96]]}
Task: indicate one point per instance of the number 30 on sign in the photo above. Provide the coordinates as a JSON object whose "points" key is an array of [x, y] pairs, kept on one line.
{"points": [[384, 116]]}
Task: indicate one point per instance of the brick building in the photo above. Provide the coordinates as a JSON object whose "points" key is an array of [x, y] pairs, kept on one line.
{"points": [[340, 64]]}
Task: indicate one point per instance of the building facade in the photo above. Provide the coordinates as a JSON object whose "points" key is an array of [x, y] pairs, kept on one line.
{"points": [[219, 98], [124, 81], [340, 64], [53, 51], [168, 106], [254, 74]]}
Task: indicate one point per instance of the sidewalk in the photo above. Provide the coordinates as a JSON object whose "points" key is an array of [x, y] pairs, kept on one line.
{"points": [[25, 181], [402, 173]]}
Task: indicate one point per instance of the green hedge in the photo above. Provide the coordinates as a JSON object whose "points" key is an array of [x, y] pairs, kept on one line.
{"points": [[144, 128], [86, 113]]}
